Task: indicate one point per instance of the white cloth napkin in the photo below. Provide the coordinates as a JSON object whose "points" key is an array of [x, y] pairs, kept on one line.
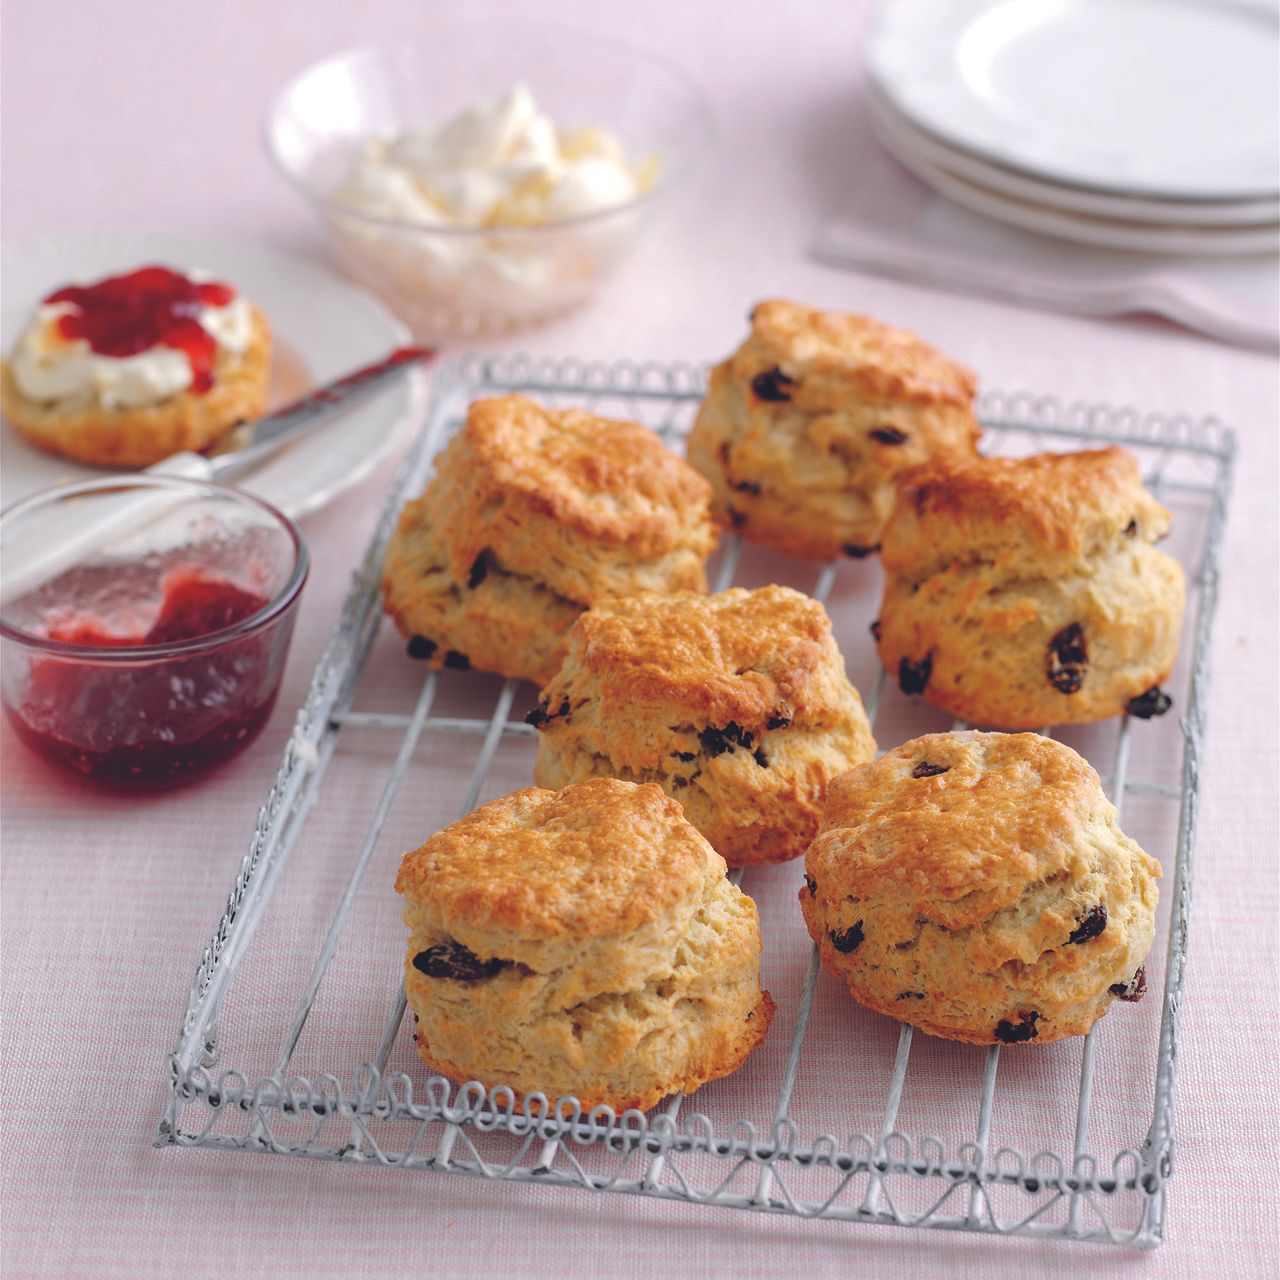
{"points": [[894, 225]]}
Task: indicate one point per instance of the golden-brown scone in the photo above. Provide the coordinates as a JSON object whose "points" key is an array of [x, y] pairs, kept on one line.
{"points": [[533, 515], [137, 437], [582, 942], [736, 704], [1026, 592], [976, 885], [806, 427]]}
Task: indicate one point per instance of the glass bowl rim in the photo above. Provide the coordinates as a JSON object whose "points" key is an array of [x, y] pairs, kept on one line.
{"points": [[124, 655], [702, 138]]}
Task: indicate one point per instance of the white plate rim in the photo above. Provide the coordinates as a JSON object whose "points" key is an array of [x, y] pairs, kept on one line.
{"points": [[1098, 232], [908, 58], [1121, 208], [31, 264]]}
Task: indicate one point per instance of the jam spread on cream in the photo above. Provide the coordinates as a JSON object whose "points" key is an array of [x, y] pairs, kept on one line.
{"points": [[152, 307]]}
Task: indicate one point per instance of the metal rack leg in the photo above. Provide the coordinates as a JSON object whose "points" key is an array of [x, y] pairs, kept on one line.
{"points": [[978, 1196]]}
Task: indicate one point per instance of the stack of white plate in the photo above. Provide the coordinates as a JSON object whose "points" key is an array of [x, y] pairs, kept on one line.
{"points": [[1149, 125]]}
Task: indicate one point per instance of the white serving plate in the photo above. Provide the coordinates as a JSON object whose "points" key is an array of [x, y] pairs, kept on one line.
{"points": [[1168, 98], [322, 327]]}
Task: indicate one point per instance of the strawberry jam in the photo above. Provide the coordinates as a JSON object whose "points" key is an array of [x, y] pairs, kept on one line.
{"points": [[154, 722], [152, 307]]}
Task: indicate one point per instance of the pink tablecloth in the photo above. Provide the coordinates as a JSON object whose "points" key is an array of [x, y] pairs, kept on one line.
{"points": [[141, 115]]}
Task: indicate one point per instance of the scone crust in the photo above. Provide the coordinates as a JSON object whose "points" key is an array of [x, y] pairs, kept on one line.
{"points": [[138, 437], [962, 876], [848, 403], [736, 704], [533, 515], [1000, 571], [612, 959]]}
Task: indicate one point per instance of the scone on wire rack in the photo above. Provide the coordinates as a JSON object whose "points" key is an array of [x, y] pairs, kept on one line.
{"points": [[736, 704], [534, 514], [1025, 592], [130, 369], [977, 886], [807, 426], [585, 942]]}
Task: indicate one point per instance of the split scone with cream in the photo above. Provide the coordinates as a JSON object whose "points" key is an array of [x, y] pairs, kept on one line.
{"points": [[977, 886], [736, 704], [807, 426], [1024, 592], [584, 942], [533, 515], [133, 368]]}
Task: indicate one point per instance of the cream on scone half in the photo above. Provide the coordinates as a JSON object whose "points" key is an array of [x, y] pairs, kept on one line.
{"points": [[133, 368]]}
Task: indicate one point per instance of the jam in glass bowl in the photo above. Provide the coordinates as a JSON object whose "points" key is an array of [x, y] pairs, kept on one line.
{"points": [[144, 624]]}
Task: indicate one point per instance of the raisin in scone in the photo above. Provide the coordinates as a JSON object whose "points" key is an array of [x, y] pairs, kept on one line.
{"points": [[1024, 592], [130, 369], [583, 942], [736, 704], [977, 886], [533, 515], [805, 429]]}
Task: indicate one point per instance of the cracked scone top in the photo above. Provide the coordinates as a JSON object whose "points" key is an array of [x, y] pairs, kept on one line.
{"points": [[583, 942], [806, 427], [533, 515], [736, 704], [977, 886], [1023, 592]]}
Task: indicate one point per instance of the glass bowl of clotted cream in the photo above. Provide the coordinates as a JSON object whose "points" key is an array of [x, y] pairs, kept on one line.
{"points": [[480, 178]]}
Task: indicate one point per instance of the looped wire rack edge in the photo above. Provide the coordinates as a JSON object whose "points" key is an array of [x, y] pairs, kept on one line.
{"points": [[442, 1127]]}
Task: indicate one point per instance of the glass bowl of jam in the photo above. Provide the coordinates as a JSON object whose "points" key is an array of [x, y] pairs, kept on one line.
{"points": [[144, 624]]}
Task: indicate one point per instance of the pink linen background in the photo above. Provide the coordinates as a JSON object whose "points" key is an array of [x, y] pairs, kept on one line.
{"points": [[144, 115]]}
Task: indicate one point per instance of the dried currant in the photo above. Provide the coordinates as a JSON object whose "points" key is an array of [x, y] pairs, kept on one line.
{"points": [[772, 385], [745, 486], [479, 567], [1131, 529], [847, 940], [715, 742], [760, 758], [687, 756], [926, 770], [453, 960], [420, 648], [736, 518], [856, 552], [778, 720], [1133, 990], [1155, 702], [1067, 658], [1090, 925], [458, 661], [812, 885], [874, 628], [889, 435], [910, 995], [542, 713], [1018, 1032], [914, 676]]}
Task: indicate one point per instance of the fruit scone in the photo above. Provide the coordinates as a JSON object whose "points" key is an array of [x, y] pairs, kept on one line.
{"points": [[1024, 592], [736, 704], [533, 515], [130, 369], [807, 426], [977, 886], [583, 942]]}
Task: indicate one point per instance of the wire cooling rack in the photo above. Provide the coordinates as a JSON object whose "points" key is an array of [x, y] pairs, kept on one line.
{"points": [[842, 1114]]}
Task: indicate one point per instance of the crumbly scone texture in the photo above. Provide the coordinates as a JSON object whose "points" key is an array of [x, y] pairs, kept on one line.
{"points": [[582, 942], [736, 704], [1027, 592], [807, 426], [977, 886], [138, 437], [533, 515]]}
